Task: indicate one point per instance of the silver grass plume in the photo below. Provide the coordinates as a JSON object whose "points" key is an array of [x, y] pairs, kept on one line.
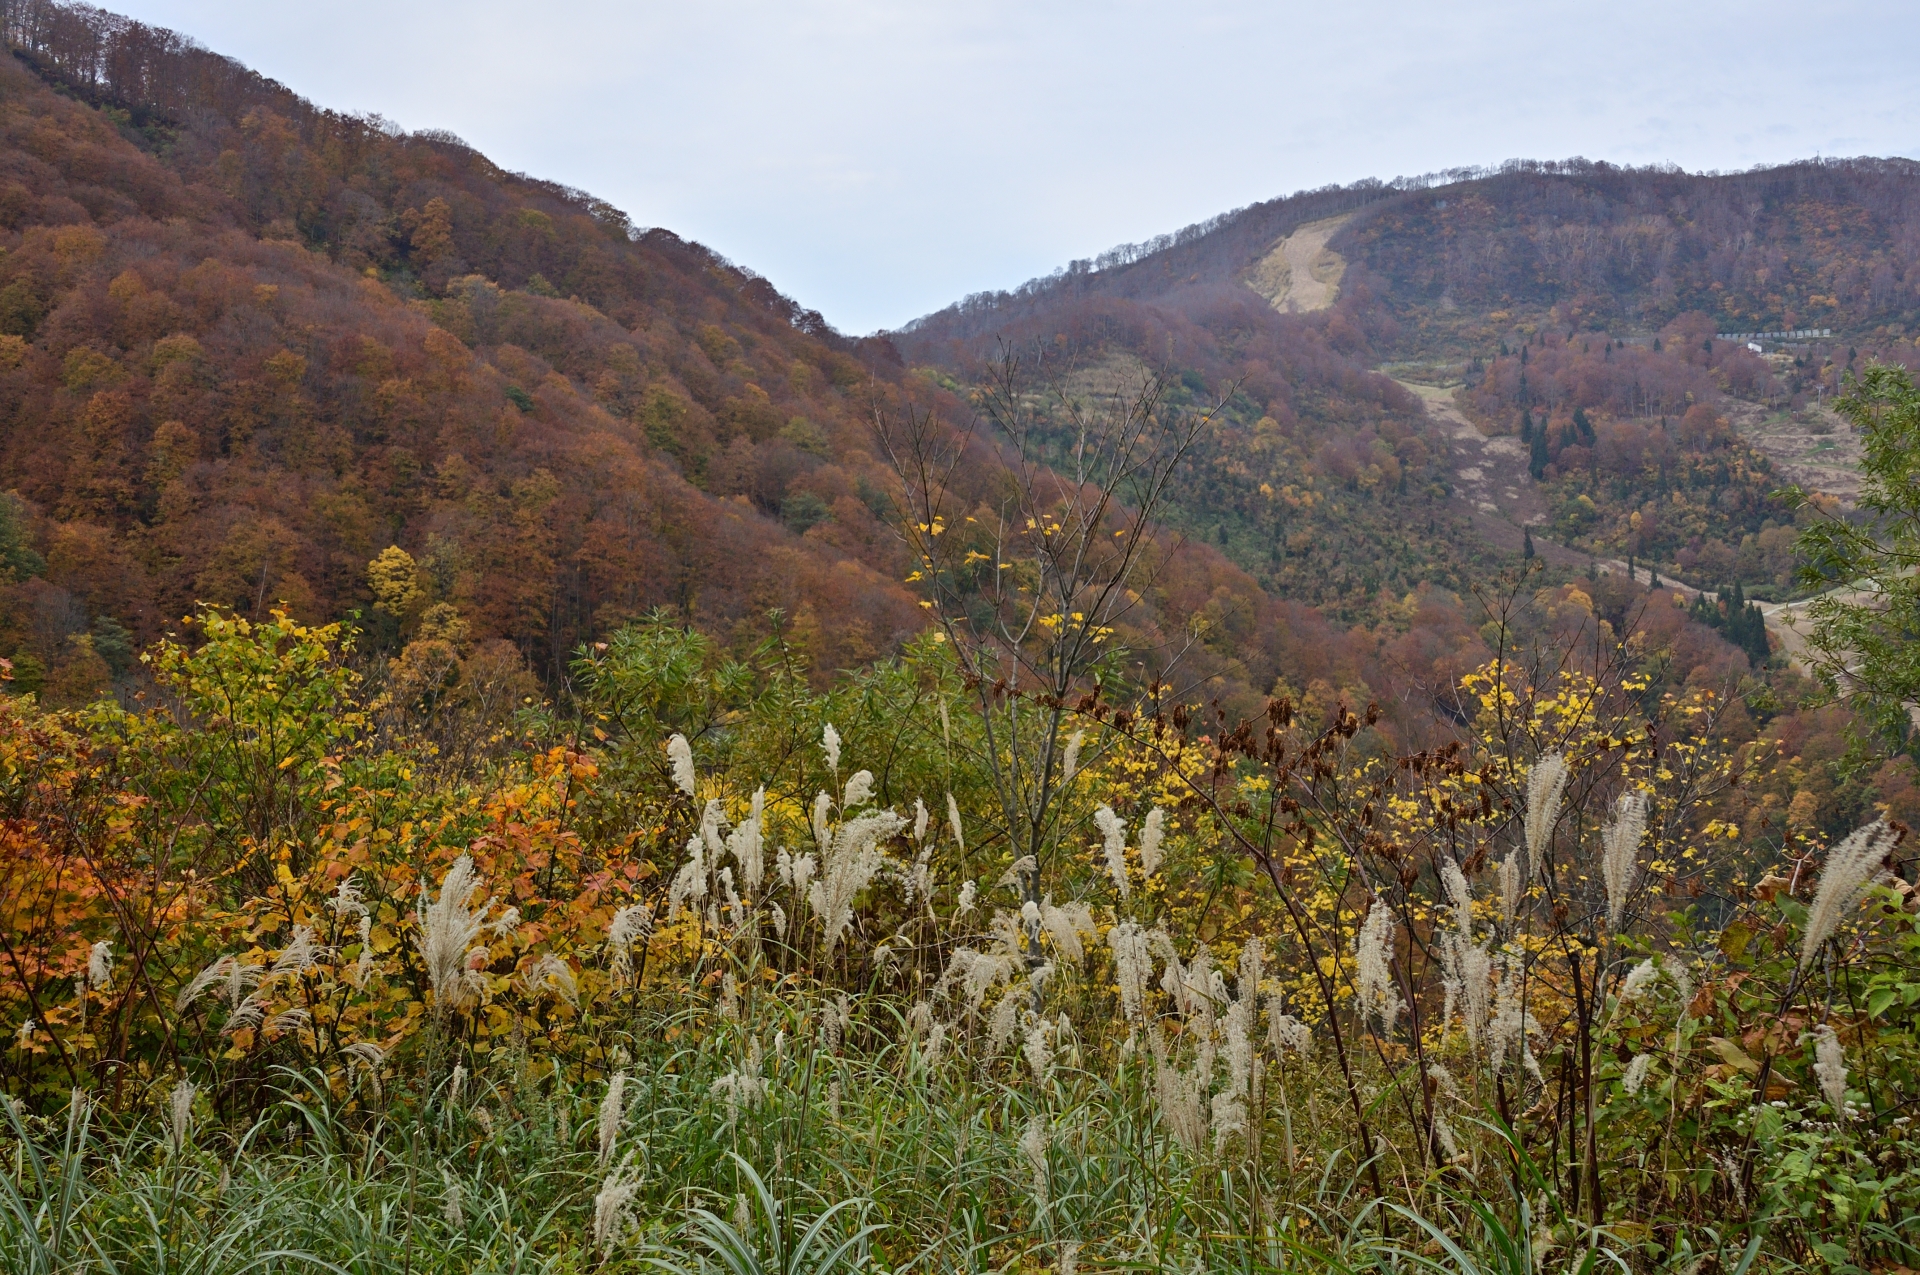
{"points": [[613, 1111], [1545, 786], [680, 755], [1070, 765], [921, 819], [1113, 835], [551, 972], [1151, 835], [1638, 979], [450, 1207], [347, 902], [236, 977], [1460, 894], [1285, 1033], [631, 924], [850, 867], [968, 892], [1033, 1145], [100, 965], [1179, 1095], [830, 745], [690, 883], [613, 1204], [859, 790], [747, 843], [180, 1115], [1830, 1068], [822, 830], [1619, 842], [953, 821], [1065, 925], [1039, 1051], [1513, 887], [1851, 867], [712, 817], [1005, 1019], [448, 928], [363, 964], [1132, 967], [1373, 977], [1635, 1076]]}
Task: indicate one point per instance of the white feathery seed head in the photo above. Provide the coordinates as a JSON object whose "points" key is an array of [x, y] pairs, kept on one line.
{"points": [[100, 965], [1635, 1075], [1132, 967], [630, 925], [1830, 1069], [953, 821], [1373, 977], [1638, 979], [1850, 869], [859, 790], [1070, 764], [968, 892], [613, 1206], [1152, 833], [1033, 1145], [180, 1115], [680, 757], [1113, 835], [830, 745], [448, 928], [1619, 842], [921, 819], [1546, 784], [613, 1111], [1513, 887], [1459, 893]]}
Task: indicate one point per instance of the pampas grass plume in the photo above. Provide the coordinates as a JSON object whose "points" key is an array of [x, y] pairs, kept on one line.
{"points": [[1851, 866]]}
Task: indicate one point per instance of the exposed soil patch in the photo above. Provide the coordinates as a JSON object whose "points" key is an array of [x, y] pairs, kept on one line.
{"points": [[1301, 274], [1816, 449]]}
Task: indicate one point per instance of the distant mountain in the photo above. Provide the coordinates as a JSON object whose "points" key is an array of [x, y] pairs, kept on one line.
{"points": [[1571, 307]]}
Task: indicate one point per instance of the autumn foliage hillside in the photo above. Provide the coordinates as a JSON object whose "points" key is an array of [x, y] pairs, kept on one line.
{"points": [[244, 355]]}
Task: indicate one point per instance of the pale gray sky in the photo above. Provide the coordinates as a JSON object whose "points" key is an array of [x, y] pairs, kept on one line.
{"points": [[878, 160]]}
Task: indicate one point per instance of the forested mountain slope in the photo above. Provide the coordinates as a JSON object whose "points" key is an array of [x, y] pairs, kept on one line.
{"points": [[1575, 305], [249, 344]]}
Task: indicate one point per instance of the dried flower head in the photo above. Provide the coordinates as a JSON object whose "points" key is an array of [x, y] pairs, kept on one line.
{"points": [[1070, 764], [830, 745], [953, 822], [859, 790]]}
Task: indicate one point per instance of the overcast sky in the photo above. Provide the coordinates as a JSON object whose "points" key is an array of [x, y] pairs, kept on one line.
{"points": [[879, 160]]}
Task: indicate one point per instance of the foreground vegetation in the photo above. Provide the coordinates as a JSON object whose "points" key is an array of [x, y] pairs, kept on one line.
{"points": [[723, 970]]}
